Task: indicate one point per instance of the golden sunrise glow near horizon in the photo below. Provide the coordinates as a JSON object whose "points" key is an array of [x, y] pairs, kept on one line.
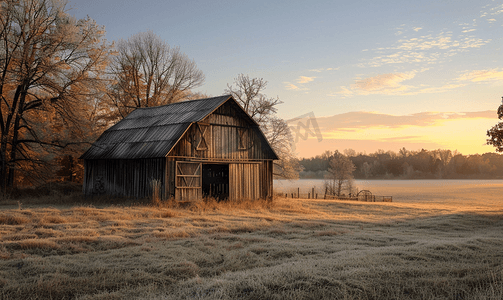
{"points": [[370, 74]]}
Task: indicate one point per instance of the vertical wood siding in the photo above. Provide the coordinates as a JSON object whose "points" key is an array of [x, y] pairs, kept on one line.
{"points": [[244, 181], [123, 177], [230, 138], [224, 138]]}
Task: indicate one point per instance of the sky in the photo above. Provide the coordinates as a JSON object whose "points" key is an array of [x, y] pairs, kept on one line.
{"points": [[361, 74]]}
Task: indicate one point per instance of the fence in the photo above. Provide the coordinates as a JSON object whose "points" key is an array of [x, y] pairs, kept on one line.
{"points": [[365, 198], [312, 194]]}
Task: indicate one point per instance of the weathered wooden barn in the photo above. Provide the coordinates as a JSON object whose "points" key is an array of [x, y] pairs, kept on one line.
{"points": [[208, 147]]}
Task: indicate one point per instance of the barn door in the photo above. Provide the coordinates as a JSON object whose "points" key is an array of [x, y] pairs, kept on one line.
{"points": [[188, 181]]}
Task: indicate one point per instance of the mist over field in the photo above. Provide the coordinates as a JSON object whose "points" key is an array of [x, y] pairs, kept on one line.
{"points": [[469, 193]]}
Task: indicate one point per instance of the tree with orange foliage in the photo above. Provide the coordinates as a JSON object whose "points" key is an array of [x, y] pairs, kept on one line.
{"points": [[51, 68], [495, 134]]}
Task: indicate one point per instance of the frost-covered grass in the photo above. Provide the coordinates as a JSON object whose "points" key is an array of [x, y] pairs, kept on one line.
{"points": [[290, 249]]}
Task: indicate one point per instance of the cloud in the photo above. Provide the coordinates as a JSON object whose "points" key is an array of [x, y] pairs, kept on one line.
{"points": [[400, 138], [442, 41], [369, 131], [393, 84], [344, 92], [482, 75], [487, 114], [301, 81], [323, 69], [413, 47], [383, 82], [399, 89], [494, 11], [429, 49], [305, 79], [365, 120], [362, 119], [438, 89], [290, 86], [293, 87]]}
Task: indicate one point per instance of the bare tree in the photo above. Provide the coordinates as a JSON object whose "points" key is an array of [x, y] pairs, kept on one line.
{"points": [[495, 134], [50, 67], [404, 152], [248, 92], [442, 157], [279, 136], [340, 174], [349, 152], [148, 72]]}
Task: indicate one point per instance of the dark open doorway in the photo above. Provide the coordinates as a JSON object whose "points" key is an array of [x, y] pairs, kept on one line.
{"points": [[216, 181]]}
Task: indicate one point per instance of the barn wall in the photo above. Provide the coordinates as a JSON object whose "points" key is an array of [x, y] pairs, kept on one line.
{"points": [[223, 143], [170, 177], [121, 177], [244, 181], [247, 180], [266, 179], [231, 136]]}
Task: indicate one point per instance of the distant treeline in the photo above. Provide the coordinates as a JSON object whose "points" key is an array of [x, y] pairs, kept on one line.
{"points": [[423, 164]]}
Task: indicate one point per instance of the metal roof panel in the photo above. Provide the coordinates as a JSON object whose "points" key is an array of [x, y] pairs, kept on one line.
{"points": [[151, 132]]}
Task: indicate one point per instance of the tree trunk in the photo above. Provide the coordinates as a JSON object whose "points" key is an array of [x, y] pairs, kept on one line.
{"points": [[15, 137], [339, 187], [6, 159], [3, 172]]}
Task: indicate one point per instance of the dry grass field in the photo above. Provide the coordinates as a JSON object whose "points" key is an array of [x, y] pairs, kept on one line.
{"points": [[288, 249]]}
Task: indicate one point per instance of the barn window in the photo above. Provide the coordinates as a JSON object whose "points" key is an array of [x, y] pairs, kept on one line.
{"points": [[242, 138], [203, 134]]}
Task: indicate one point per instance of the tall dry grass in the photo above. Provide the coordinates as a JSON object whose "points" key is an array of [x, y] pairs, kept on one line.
{"points": [[285, 249]]}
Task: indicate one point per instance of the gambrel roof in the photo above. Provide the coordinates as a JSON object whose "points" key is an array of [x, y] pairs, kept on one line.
{"points": [[151, 132]]}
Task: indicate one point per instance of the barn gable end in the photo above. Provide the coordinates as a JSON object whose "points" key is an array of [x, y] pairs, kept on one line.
{"points": [[207, 147]]}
